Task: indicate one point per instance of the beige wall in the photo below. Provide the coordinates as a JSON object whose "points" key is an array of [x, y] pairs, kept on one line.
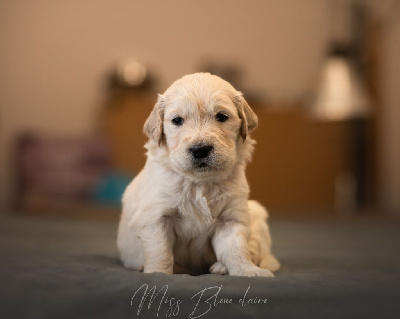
{"points": [[54, 55]]}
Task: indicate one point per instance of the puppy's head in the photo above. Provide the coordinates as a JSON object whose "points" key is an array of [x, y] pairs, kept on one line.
{"points": [[203, 123]]}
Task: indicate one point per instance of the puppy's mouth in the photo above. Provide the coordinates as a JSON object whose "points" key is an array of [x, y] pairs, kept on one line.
{"points": [[202, 166]]}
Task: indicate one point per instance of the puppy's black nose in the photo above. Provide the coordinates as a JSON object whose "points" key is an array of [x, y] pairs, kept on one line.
{"points": [[200, 152]]}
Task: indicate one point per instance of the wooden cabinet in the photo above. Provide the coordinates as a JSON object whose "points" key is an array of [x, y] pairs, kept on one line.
{"points": [[296, 161]]}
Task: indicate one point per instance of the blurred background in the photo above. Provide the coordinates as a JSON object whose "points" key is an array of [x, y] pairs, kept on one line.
{"points": [[79, 78]]}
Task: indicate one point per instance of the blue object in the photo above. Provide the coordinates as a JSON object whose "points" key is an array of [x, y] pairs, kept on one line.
{"points": [[110, 188]]}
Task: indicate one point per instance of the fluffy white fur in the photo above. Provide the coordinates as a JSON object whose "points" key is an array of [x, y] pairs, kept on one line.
{"points": [[182, 217]]}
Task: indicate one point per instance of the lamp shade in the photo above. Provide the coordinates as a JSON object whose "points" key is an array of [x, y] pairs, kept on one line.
{"points": [[340, 93]]}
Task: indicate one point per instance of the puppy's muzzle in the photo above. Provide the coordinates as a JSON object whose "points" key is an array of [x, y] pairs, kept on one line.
{"points": [[199, 152]]}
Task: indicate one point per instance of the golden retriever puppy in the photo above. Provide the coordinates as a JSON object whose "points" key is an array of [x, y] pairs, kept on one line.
{"points": [[187, 211]]}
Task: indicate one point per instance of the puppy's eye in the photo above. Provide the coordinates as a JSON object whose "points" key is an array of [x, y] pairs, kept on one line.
{"points": [[178, 121], [221, 117]]}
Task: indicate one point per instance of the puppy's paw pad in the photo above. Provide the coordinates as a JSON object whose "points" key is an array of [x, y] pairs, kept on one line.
{"points": [[218, 268]]}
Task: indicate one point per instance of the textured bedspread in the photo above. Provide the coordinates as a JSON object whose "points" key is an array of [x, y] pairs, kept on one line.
{"points": [[70, 269]]}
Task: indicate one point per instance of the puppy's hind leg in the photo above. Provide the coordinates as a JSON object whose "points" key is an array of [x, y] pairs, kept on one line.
{"points": [[130, 246], [260, 238], [270, 262]]}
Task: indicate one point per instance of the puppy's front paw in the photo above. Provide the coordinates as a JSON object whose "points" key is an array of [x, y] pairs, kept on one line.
{"points": [[251, 271], [162, 270], [163, 264], [218, 268]]}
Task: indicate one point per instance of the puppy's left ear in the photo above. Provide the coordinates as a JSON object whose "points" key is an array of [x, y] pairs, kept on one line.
{"points": [[246, 114], [153, 127]]}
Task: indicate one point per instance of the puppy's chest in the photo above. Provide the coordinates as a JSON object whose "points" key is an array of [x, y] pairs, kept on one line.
{"points": [[198, 211]]}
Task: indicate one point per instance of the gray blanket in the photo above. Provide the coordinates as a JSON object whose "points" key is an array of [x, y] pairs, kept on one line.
{"points": [[70, 269]]}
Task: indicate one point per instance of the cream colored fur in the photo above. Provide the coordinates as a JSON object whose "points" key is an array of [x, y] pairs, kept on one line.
{"points": [[180, 217]]}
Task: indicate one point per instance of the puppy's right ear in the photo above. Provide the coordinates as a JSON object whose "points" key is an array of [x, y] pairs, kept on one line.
{"points": [[153, 127]]}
